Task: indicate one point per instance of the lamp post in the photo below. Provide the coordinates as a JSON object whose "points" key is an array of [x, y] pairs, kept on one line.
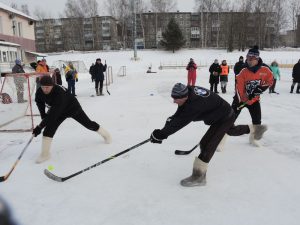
{"points": [[134, 31]]}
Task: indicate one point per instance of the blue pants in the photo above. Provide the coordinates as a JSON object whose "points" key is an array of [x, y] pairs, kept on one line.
{"points": [[71, 87]]}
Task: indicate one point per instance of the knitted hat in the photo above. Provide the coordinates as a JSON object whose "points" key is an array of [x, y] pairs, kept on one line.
{"points": [[179, 91], [46, 81], [253, 52], [241, 57], [18, 62]]}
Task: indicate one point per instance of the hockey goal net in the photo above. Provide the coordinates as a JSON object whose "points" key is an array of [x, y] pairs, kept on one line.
{"points": [[17, 107]]}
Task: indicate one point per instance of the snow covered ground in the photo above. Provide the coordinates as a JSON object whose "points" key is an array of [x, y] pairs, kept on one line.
{"points": [[246, 185]]}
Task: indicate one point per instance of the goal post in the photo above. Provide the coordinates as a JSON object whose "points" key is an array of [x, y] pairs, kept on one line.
{"points": [[20, 113]]}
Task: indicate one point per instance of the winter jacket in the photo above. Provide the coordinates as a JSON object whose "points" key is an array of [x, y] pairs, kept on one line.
{"points": [[251, 77], [215, 71], [224, 70], [59, 102], [296, 72], [98, 71], [71, 73], [238, 67], [17, 79], [201, 105], [42, 69], [276, 72], [192, 68]]}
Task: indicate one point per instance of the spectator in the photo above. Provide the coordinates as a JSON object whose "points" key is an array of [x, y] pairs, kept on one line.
{"points": [[56, 76], [19, 80], [192, 69], [224, 76], [239, 66], [42, 68], [215, 71], [71, 78], [296, 77], [276, 76], [98, 76]]}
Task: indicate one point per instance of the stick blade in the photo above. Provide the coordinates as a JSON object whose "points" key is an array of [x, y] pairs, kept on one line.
{"points": [[3, 178], [52, 176], [180, 152]]}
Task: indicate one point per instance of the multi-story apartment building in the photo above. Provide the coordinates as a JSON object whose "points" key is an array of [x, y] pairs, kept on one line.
{"points": [[82, 34], [204, 29], [17, 37]]}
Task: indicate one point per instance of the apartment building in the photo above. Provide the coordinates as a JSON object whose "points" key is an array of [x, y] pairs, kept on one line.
{"points": [[79, 34], [235, 30], [17, 37]]}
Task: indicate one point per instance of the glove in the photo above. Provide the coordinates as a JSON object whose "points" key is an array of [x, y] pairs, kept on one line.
{"points": [[157, 136], [37, 130], [76, 79], [256, 92]]}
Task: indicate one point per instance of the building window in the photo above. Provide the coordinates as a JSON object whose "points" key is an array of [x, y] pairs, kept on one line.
{"points": [[20, 30], [4, 57]]}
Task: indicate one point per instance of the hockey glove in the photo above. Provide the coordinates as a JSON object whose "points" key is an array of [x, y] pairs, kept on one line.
{"points": [[37, 130], [76, 80], [256, 92], [157, 136]]}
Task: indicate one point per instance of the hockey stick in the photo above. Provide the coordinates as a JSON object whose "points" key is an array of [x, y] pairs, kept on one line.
{"points": [[182, 152], [106, 79], [62, 179], [5, 177]]}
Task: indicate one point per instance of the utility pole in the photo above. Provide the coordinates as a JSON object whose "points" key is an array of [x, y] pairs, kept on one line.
{"points": [[134, 30]]}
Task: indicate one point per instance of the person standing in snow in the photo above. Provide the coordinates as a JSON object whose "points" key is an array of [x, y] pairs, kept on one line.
{"points": [[98, 76], [214, 77], [276, 76], [19, 81], [251, 82], [224, 76], [199, 104], [62, 105], [71, 78], [192, 72], [296, 77], [239, 66]]}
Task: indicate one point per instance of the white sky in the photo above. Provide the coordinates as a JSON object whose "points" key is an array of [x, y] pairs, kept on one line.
{"points": [[55, 7]]}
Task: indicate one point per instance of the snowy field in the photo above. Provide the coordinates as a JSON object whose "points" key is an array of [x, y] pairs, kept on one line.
{"points": [[245, 185]]}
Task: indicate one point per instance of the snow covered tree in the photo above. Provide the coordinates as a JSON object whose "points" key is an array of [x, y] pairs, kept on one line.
{"points": [[172, 37]]}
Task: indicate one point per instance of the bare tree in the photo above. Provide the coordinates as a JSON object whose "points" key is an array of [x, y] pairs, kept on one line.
{"points": [[14, 5], [163, 5], [81, 8], [41, 14], [293, 9], [24, 9]]}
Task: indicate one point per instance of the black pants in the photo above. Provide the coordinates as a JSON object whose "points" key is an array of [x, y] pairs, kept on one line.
{"points": [[254, 110], [97, 82], [216, 132], [79, 116]]}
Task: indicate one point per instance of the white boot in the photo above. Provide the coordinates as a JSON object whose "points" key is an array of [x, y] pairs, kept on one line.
{"points": [[221, 144], [198, 177], [105, 135], [256, 133], [45, 154]]}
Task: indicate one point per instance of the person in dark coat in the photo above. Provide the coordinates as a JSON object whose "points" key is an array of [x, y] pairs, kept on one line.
{"points": [[19, 81], [296, 77], [62, 105], [239, 66], [215, 70], [199, 104], [98, 76], [57, 77]]}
